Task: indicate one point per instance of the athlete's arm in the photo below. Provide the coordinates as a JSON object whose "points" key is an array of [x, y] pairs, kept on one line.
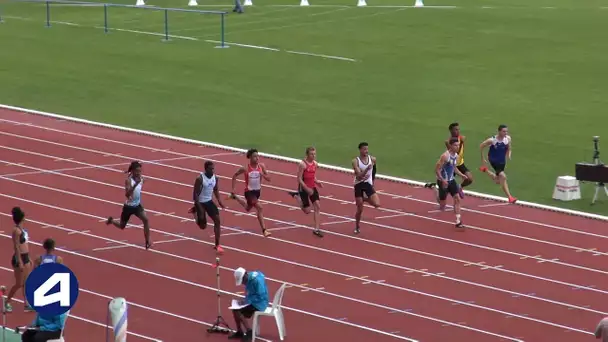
{"points": [[358, 172], [374, 169], [317, 181], [16, 247], [216, 192], [438, 166], [301, 184], [460, 173], [38, 261], [509, 148], [483, 145], [129, 189], [238, 172], [59, 260], [265, 172], [198, 186]]}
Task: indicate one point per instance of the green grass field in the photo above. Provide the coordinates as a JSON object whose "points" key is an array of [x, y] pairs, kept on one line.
{"points": [[540, 70]]}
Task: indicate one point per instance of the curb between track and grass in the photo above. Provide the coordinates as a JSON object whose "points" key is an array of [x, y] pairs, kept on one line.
{"points": [[294, 160]]}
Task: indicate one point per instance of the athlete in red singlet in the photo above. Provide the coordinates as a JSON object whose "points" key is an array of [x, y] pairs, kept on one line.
{"points": [[307, 187], [254, 171]]}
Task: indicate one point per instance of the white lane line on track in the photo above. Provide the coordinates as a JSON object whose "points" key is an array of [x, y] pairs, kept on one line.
{"points": [[364, 259], [281, 260], [408, 197], [321, 291], [338, 216]]}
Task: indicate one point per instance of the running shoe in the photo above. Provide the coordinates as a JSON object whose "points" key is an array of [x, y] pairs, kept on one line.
{"points": [[266, 233], [483, 168], [512, 200], [219, 249], [317, 232], [109, 220], [28, 308], [8, 307], [357, 230]]}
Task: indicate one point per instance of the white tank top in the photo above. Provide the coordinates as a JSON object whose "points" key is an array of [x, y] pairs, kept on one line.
{"points": [[253, 178], [368, 176], [208, 185], [136, 195]]}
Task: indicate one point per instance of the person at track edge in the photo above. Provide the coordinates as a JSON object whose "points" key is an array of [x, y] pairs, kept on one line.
{"points": [[307, 193], [254, 171], [454, 129], [446, 181], [205, 186], [49, 257], [20, 261], [238, 8], [133, 185], [500, 148], [365, 174]]}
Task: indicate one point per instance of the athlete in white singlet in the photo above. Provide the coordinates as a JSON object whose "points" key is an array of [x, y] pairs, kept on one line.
{"points": [[205, 186], [133, 206], [445, 170], [254, 171], [364, 167], [49, 257]]}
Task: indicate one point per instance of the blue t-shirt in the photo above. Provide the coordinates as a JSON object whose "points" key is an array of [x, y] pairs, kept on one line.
{"points": [[52, 323], [256, 292]]}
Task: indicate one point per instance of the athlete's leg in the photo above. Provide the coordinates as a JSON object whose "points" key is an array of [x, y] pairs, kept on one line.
{"points": [[141, 214], [241, 201], [217, 225], [374, 200], [200, 217], [125, 215], [359, 204], [469, 179], [317, 217], [442, 195], [260, 211], [19, 281], [457, 209], [505, 186]]}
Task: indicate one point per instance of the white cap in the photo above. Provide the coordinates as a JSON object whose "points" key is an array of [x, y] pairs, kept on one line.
{"points": [[239, 273]]}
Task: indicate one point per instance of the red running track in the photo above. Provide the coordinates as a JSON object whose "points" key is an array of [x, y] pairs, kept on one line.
{"points": [[516, 274]]}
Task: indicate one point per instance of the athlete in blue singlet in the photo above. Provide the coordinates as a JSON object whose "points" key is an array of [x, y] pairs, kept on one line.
{"points": [[132, 206], [499, 150], [445, 169], [49, 257]]}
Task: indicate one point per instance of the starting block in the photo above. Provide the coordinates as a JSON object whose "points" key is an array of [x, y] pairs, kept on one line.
{"points": [[567, 188]]}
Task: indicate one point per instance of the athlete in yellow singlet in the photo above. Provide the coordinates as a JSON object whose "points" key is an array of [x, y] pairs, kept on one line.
{"points": [[455, 133]]}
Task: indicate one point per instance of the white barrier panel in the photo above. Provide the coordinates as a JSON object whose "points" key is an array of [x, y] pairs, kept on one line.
{"points": [[419, 3], [567, 188], [361, 3], [248, 3], [304, 3], [118, 314]]}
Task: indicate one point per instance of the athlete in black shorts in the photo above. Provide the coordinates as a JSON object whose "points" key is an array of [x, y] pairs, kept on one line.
{"points": [[364, 167], [253, 172], [205, 187], [20, 261], [307, 193]]}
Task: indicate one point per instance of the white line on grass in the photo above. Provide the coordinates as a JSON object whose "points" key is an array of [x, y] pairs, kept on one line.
{"points": [[259, 47]]}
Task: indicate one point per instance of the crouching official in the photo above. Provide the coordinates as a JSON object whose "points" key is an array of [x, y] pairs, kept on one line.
{"points": [[256, 299]]}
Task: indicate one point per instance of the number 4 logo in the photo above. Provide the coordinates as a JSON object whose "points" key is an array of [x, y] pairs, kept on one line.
{"points": [[51, 289], [63, 296]]}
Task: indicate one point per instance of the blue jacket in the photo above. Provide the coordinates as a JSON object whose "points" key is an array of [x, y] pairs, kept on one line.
{"points": [[53, 323], [256, 292]]}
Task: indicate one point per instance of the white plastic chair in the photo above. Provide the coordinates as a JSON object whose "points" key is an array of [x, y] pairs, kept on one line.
{"points": [[60, 339], [273, 311]]}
